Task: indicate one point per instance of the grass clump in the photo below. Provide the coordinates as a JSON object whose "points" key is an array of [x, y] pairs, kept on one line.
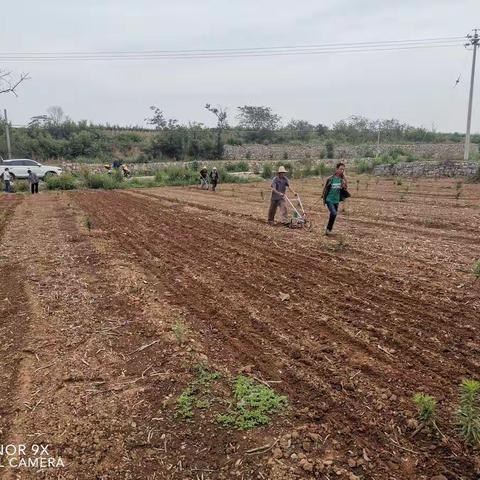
{"points": [[476, 270], [185, 403], [177, 176], [267, 171], [180, 331], [468, 413], [241, 166], [102, 181], [88, 223], [253, 405], [64, 181], [22, 186], [426, 406]]}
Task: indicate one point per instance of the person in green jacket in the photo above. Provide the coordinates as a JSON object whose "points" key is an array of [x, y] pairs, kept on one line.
{"points": [[334, 192]]}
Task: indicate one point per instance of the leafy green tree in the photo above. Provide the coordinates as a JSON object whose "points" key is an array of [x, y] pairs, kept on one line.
{"points": [[258, 123]]}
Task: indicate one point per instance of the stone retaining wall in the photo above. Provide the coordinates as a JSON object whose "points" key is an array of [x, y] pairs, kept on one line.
{"points": [[434, 151], [429, 169]]}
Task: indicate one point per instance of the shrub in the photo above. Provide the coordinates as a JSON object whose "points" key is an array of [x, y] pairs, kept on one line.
{"points": [[22, 186], [323, 170], [267, 170], [468, 413], [176, 176], [101, 180], [426, 406], [330, 146], [241, 166], [64, 181]]}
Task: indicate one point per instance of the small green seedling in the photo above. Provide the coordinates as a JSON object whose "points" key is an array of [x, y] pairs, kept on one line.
{"points": [[426, 406], [88, 223], [179, 330], [185, 403], [476, 270], [468, 413]]}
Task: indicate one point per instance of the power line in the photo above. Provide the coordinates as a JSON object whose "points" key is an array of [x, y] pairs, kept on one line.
{"points": [[321, 45], [239, 53]]}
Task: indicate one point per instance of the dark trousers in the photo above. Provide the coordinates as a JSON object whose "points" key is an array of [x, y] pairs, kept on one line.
{"points": [[278, 203], [7, 185], [333, 209], [214, 185], [34, 187]]}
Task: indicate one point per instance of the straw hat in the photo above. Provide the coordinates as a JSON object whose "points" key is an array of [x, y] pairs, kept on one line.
{"points": [[281, 169]]}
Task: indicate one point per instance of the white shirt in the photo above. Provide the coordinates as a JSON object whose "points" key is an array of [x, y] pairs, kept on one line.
{"points": [[6, 175]]}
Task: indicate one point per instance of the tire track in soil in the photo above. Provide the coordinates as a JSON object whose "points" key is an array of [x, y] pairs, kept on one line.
{"points": [[171, 223]]}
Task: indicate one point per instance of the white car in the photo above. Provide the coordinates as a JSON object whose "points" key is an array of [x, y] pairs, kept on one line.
{"points": [[19, 167]]}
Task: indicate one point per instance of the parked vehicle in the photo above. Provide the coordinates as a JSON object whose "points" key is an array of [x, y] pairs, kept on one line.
{"points": [[19, 167]]}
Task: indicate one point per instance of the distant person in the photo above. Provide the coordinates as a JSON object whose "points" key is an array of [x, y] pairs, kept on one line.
{"points": [[204, 178], [7, 179], [280, 184], [116, 164], [126, 171], [334, 192], [33, 180], [214, 176]]}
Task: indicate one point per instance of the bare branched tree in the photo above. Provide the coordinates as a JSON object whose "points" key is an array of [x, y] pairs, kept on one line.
{"points": [[8, 84], [222, 124]]}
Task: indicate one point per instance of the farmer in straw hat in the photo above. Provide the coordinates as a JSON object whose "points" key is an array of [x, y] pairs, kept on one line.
{"points": [[279, 187]]}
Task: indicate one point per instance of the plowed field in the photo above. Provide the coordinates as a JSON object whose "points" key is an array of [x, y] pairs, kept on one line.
{"points": [[110, 300]]}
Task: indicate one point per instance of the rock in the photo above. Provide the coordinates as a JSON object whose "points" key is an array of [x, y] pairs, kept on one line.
{"points": [[307, 446], [352, 463], [352, 476], [412, 424], [286, 442], [314, 436], [439, 477], [294, 457], [277, 453], [306, 465]]}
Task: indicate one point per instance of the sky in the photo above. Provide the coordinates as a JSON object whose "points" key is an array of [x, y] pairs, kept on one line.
{"points": [[415, 86]]}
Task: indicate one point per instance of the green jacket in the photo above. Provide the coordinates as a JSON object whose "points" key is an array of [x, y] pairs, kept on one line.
{"points": [[343, 191]]}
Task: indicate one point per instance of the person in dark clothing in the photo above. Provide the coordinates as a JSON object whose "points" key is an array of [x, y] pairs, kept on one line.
{"points": [[33, 180], [279, 187], [214, 176], [204, 178], [334, 192]]}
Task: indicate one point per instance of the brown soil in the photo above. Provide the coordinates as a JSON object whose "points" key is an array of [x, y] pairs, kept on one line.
{"points": [[384, 308]]}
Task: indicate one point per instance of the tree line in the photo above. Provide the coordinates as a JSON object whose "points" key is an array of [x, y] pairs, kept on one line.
{"points": [[55, 136]]}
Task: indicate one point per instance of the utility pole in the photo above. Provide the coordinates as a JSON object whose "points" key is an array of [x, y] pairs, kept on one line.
{"points": [[472, 40], [7, 135]]}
